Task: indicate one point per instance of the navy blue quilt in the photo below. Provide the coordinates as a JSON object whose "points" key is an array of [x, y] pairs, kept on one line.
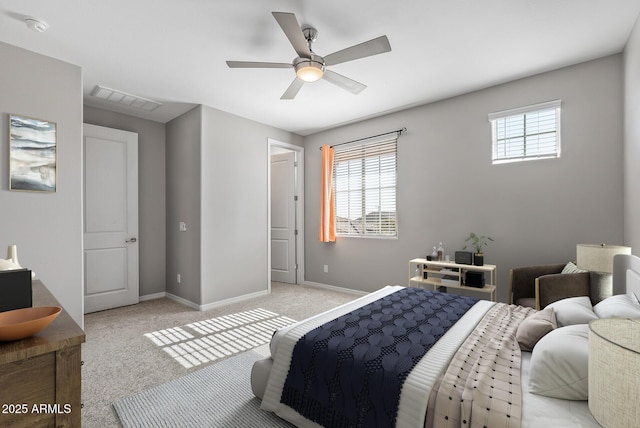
{"points": [[349, 372]]}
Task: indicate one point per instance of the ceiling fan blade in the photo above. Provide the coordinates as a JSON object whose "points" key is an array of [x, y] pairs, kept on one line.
{"points": [[293, 89], [344, 82], [292, 30], [252, 64], [372, 47]]}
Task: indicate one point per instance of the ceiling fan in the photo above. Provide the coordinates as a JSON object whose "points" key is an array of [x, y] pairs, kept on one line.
{"points": [[310, 67]]}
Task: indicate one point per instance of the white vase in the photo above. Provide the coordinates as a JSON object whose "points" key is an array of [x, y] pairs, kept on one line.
{"points": [[12, 253]]}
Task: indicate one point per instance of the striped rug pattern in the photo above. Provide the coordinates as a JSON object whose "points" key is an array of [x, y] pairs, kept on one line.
{"points": [[216, 396], [205, 341]]}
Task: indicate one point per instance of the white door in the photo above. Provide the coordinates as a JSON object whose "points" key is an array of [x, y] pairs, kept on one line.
{"points": [[283, 218], [110, 239]]}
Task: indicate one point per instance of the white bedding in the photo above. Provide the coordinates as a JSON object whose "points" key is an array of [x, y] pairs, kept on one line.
{"points": [[538, 411], [544, 412]]}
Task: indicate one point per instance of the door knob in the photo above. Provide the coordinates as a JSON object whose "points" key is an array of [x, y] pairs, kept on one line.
{"points": [[131, 240]]}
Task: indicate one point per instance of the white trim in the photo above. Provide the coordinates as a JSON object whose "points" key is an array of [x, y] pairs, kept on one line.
{"points": [[153, 296], [217, 304], [526, 109], [233, 300], [335, 288], [183, 301], [300, 207]]}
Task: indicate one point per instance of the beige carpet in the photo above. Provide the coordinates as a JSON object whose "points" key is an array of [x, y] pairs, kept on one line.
{"points": [[119, 360], [205, 341]]}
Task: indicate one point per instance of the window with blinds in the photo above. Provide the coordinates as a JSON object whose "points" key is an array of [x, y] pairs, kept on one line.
{"points": [[364, 179], [526, 133]]}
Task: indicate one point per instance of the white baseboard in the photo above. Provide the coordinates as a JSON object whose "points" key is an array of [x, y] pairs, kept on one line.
{"points": [[243, 297], [215, 304], [233, 300], [182, 301], [152, 296], [335, 288]]}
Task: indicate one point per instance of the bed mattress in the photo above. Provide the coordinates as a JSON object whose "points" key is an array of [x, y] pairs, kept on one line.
{"points": [[537, 411]]}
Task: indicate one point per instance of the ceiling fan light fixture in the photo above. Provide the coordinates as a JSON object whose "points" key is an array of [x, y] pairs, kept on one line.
{"points": [[309, 69]]}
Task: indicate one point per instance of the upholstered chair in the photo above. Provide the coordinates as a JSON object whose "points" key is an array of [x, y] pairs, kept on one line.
{"points": [[522, 282], [538, 286], [551, 288]]}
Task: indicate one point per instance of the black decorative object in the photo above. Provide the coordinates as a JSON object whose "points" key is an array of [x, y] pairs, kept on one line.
{"points": [[15, 289], [478, 259], [463, 257], [474, 279]]}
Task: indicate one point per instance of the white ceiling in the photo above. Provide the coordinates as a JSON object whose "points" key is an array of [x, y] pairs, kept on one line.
{"points": [[174, 51]]}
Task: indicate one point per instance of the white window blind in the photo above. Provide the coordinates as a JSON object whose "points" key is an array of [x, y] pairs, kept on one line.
{"points": [[364, 178], [526, 133]]}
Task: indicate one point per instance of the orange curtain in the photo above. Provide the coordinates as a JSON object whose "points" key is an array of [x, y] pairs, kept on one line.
{"points": [[327, 215]]}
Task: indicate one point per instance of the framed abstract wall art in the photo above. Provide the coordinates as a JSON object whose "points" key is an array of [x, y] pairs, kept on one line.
{"points": [[32, 154]]}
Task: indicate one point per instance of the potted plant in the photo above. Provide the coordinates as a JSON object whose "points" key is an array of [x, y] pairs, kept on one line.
{"points": [[477, 242]]}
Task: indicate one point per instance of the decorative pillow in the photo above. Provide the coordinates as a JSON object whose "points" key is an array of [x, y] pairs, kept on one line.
{"points": [[560, 364], [621, 305], [534, 327], [574, 310], [572, 268]]}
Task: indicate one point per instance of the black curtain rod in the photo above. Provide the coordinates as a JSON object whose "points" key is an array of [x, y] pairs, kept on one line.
{"points": [[399, 132]]}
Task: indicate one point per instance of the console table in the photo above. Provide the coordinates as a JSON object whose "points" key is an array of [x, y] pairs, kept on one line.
{"points": [[450, 275], [40, 375]]}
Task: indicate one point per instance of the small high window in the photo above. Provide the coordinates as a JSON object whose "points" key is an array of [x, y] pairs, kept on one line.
{"points": [[526, 133]]}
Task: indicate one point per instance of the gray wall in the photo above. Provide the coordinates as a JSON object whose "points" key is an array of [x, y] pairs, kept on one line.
{"points": [[151, 188], [632, 140], [46, 227], [234, 204], [535, 211], [217, 184], [184, 135]]}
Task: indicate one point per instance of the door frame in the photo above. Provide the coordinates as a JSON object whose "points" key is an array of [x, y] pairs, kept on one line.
{"points": [[271, 144]]}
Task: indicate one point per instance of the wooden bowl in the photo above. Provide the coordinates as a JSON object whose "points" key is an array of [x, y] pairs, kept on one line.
{"points": [[22, 323]]}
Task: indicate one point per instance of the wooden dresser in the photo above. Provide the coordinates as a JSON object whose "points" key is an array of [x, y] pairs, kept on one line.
{"points": [[40, 376]]}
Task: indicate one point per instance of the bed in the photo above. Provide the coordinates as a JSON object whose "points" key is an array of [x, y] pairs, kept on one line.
{"points": [[468, 370]]}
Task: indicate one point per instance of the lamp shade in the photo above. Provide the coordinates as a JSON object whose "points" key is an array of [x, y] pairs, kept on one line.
{"points": [[598, 257], [614, 364], [309, 69]]}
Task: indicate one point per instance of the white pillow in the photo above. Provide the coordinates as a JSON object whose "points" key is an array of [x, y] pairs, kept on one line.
{"points": [[574, 310], [560, 364], [621, 305], [572, 268]]}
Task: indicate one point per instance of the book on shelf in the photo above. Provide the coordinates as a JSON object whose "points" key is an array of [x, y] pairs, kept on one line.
{"points": [[450, 280]]}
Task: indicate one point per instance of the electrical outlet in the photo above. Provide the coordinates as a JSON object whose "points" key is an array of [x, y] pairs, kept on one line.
{"points": [[183, 226], [326, 268], [178, 278]]}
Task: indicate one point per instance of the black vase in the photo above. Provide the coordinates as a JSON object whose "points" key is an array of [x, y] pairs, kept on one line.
{"points": [[478, 259]]}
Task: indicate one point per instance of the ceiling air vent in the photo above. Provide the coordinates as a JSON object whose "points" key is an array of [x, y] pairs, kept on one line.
{"points": [[124, 98]]}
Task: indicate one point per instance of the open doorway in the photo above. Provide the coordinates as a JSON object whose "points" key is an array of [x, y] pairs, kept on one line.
{"points": [[286, 212]]}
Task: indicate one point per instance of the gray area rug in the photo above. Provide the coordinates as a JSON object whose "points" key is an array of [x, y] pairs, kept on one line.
{"points": [[218, 395]]}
